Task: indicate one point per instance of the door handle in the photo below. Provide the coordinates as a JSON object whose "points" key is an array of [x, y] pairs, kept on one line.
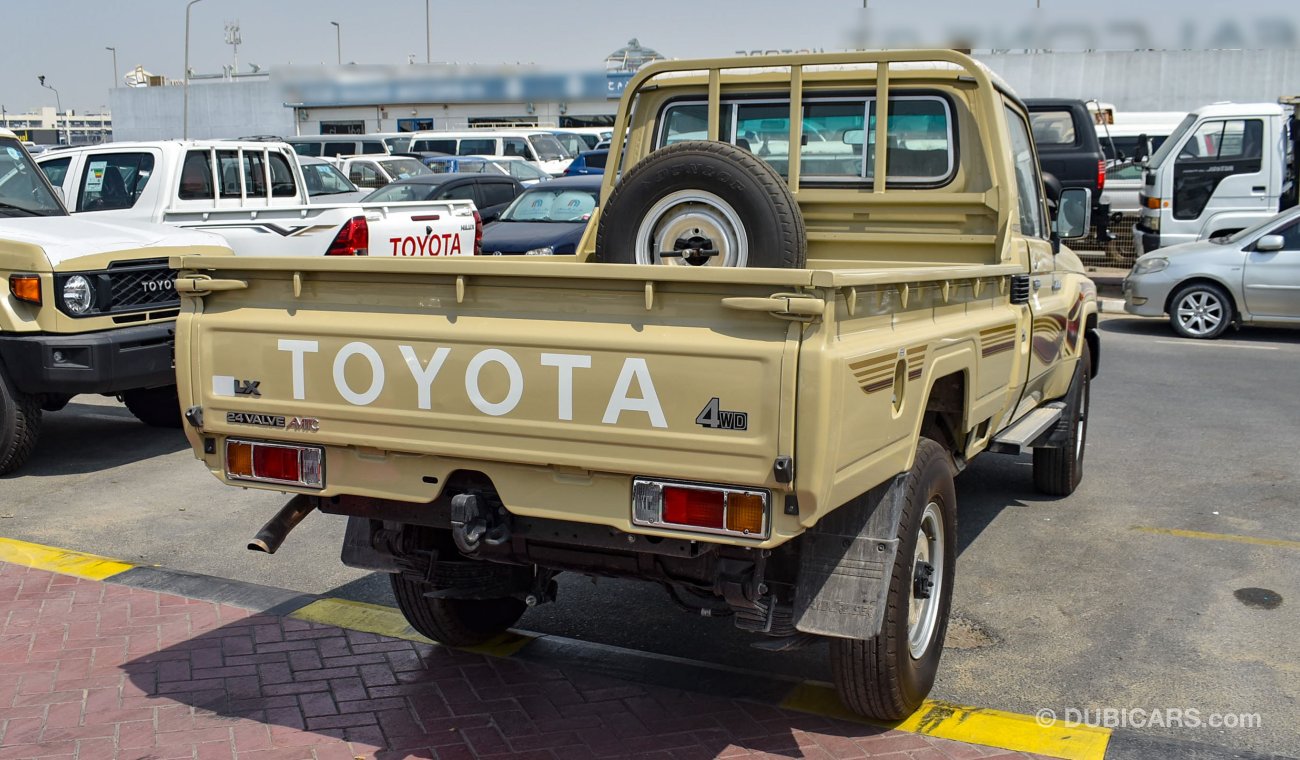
{"points": [[1258, 189]]}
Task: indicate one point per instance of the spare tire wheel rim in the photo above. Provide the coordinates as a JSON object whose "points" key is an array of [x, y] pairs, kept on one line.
{"points": [[927, 582], [694, 224]]}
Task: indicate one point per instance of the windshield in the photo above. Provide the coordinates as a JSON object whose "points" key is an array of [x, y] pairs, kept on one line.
{"points": [[573, 143], [522, 170], [1174, 139], [401, 168], [543, 205], [398, 144], [326, 179], [23, 188], [547, 148]]}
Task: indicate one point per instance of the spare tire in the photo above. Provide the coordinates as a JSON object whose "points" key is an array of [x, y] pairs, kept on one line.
{"points": [[702, 204]]}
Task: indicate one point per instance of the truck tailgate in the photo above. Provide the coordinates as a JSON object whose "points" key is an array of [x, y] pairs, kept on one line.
{"points": [[421, 229], [597, 368]]}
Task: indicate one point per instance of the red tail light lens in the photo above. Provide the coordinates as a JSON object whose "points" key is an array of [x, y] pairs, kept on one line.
{"points": [[703, 509], [478, 233], [276, 463], [1101, 175], [353, 239]]}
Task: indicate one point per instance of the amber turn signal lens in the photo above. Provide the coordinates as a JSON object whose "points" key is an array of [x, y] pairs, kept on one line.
{"points": [[26, 287], [239, 459], [745, 513], [1153, 202]]}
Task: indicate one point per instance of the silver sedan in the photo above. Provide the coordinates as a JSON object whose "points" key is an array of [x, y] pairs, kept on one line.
{"points": [[1252, 277]]}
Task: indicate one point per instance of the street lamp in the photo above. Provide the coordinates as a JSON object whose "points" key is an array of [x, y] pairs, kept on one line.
{"points": [[428, 35], [338, 40], [58, 104], [185, 108], [114, 51]]}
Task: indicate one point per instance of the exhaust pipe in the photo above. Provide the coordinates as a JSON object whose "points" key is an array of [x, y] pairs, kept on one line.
{"points": [[269, 538]]}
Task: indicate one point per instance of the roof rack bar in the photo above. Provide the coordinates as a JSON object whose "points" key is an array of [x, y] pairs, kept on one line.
{"points": [[882, 128], [796, 127]]}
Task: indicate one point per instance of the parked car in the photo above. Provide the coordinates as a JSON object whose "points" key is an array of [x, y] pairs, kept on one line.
{"points": [[378, 171], [1066, 139], [491, 193], [525, 171], [536, 145], [255, 195], [547, 219], [321, 178], [588, 162], [1251, 277]]}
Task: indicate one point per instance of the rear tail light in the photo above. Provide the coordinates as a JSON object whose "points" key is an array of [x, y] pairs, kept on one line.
{"points": [[283, 464], [1101, 176], [353, 239], [702, 508], [478, 233], [26, 287]]}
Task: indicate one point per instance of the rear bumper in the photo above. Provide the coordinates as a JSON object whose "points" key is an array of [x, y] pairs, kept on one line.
{"points": [[102, 362]]}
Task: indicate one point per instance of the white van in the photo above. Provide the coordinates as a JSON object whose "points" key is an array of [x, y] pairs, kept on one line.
{"points": [[333, 146], [536, 145], [1225, 168], [1119, 142]]}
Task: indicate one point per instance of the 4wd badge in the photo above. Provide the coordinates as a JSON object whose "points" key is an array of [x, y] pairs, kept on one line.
{"points": [[714, 417]]}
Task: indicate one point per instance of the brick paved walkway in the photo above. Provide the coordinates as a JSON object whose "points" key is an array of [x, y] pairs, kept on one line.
{"points": [[92, 670]]}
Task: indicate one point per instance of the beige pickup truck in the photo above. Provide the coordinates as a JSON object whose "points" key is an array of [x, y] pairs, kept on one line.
{"points": [[816, 287]]}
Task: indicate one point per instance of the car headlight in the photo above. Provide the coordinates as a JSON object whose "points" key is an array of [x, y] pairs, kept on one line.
{"points": [[546, 251], [1148, 266], [78, 294]]}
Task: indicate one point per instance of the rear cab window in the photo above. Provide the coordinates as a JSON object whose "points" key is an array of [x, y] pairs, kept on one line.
{"points": [[1055, 127], [113, 181], [838, 136]]}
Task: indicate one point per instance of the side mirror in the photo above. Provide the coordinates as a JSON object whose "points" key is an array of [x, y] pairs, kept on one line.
{"points": [[1074, 217], [1143, 150], [1270, 243]]}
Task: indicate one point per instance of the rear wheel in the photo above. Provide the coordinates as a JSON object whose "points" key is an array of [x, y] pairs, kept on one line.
{"points": [[888, 676], [20, 425], [1058, 471], [155, 407], [454, 622]]}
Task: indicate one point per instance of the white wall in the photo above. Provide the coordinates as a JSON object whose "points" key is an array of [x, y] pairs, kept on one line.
{"points": [[217, 109]]}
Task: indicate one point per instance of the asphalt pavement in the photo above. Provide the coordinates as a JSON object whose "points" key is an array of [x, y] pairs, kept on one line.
{"points": [[1168, 582]]}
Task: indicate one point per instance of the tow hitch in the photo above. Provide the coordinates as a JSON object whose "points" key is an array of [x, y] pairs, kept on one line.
{"points": [[478, 519]]}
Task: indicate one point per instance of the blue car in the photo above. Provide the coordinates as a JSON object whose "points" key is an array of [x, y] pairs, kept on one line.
{"points": [[547, 219], [588, 162]]}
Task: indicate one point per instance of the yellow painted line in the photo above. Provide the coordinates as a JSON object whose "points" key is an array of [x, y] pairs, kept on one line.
{"points": [[388, 621], [62, 561], [973, 725], [1279, 543]]}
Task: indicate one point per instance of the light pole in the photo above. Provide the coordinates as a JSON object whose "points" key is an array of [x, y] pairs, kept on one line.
{"points": [[58, 105], [114, 51], [185, 98], [338, 40], [428, 35]]}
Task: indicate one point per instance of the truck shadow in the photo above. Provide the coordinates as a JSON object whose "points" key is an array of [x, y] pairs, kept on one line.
{"points": [[279, 683], [84, 438]]}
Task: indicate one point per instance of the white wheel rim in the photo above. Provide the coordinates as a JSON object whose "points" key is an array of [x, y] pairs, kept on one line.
{"points": [[692, 214], [923, 612], [1200, 312]]}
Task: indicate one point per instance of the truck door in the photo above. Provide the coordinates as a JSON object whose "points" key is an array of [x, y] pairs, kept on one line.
{"points": [[1220, 169], [1043, 322], [1272, 278]]}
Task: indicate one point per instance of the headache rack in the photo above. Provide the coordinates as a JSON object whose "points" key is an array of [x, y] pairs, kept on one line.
{"points": [[791, 73]]}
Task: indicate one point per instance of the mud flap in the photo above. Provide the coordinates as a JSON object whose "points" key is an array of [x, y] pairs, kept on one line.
{"points": [[845, 564]]}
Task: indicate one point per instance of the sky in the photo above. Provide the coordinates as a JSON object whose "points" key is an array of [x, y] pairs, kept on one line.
{"points": [[65, 40]]}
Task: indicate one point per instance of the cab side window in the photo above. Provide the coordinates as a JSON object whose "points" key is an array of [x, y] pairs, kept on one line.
{"points": [[282, 185], [515, 146], [113, 181], [1032, 218], [1215, 151], [364, 174], [56, 170]]}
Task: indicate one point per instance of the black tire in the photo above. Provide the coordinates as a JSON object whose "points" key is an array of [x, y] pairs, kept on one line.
{"points": [[1059, 470], [454, 622], [879, 677], [1194, 308], [772, 223], [155, 407], [20, 425]]}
